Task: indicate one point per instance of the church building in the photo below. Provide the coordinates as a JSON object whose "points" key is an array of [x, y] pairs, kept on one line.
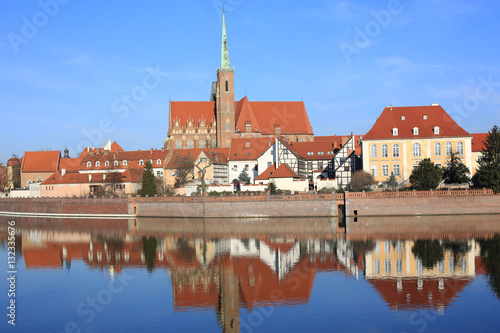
{"points": [[214, 123]]}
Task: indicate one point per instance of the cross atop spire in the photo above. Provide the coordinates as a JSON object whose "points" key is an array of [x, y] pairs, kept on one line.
{"points": [[224, 57]]}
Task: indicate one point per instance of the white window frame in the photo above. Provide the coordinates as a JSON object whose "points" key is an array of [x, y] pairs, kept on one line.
{"points": [[373, 151], [437, 149], [417, 150], [395, 150]]}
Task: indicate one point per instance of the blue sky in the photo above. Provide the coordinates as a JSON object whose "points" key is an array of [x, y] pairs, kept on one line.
{"points": [[66, 69]]}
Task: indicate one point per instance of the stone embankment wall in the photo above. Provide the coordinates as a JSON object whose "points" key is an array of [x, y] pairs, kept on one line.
{"points": [[239, 206], [66, 206], [410, 203]]}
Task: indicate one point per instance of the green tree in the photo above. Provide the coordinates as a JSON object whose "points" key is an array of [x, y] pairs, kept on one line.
{"points": [[426, 176], [361, 180], [149, 245], [392, 182], [488, 172], [148, 180], [456, 172], [244, 177], [272, 188]]}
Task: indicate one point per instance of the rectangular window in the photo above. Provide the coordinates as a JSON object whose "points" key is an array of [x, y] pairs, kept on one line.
{"points": [[385, 170], [399, 266], [309, 165], [374, 171], [396, 170], [320, 165], [269, 164], [388, 266], [246, 167], [376, 267]]}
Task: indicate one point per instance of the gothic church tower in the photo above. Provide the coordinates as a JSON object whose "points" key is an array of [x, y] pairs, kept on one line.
{"points": [[224, 98]]}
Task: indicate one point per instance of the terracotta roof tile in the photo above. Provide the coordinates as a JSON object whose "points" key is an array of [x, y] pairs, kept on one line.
{"points": [[41, 161], [477, 141], [406, 118], [183, 111], [283, 171], [243, 149], [129, 175]]}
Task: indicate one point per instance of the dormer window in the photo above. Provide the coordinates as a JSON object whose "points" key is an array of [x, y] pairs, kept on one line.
{"points": [[89, 164], [436, 130], [158, 162], [425, 117], [415, 130], [97, 164], [395, 131], [248, 127], [277, 129], [125, 163], [402, 117], [115, 163], [106, 163], [141, 162]]}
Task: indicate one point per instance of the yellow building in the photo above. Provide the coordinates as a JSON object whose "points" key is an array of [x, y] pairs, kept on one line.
{"points": [[403, 136]]}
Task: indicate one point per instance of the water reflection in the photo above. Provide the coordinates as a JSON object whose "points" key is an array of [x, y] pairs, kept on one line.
{"points": [[228, 265]]}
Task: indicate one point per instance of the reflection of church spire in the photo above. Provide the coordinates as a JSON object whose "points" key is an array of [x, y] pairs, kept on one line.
{"points": [[229, 300]]}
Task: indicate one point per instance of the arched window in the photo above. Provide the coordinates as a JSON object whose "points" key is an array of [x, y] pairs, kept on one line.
{"points": [[141, 162], [437, 149], [115, 163], [385, 150], [449, 148], [416, 150], [106, 163], [178, 144], [190, 144], [395, 150], [158, 162], [227, 125], [202, 143], [97, 164], [125, 163], [460, 148], [89, 164], [373, 151]]}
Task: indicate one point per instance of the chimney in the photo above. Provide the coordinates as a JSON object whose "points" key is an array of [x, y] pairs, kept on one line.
{"points": [[151, 151], [63, 172]]}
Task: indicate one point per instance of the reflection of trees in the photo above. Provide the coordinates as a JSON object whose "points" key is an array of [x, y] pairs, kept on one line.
{"points": [[490, 253], [430, 252], [149, 245], [458, 247], [362, 247]]}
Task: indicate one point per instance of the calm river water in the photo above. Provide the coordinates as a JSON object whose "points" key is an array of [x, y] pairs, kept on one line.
{"points": [[427, 274]]}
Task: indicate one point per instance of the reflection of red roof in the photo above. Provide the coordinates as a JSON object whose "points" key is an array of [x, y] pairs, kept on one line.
{"points": [[283, 171], [477, 141], [406, 118], [249, 148], [410, 296], [41, 161], [42, 258]]}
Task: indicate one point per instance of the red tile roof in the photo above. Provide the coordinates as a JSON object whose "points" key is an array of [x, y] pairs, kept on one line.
{"points": [[249, 148], [129, 175], [414, 116], [283, 171], [133, 159], [216, 155], [315, 150], [291, 116], [183, 111], [338, 140], [41, 161], [477, 141]]}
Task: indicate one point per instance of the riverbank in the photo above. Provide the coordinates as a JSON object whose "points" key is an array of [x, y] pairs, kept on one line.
{"points": [[359, 204]]}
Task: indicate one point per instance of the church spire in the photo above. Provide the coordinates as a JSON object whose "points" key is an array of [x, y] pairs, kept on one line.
{"points": [[224, 57]]}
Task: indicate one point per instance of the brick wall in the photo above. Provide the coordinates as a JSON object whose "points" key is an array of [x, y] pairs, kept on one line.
{"points": [[422, 203], [65, 206]]}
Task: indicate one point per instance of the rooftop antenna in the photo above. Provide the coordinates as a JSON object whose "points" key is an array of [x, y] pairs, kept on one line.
{"points": [[223, 11]]}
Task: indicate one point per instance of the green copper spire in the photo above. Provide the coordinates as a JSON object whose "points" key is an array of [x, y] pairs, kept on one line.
{"points": [[224, 57]]}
